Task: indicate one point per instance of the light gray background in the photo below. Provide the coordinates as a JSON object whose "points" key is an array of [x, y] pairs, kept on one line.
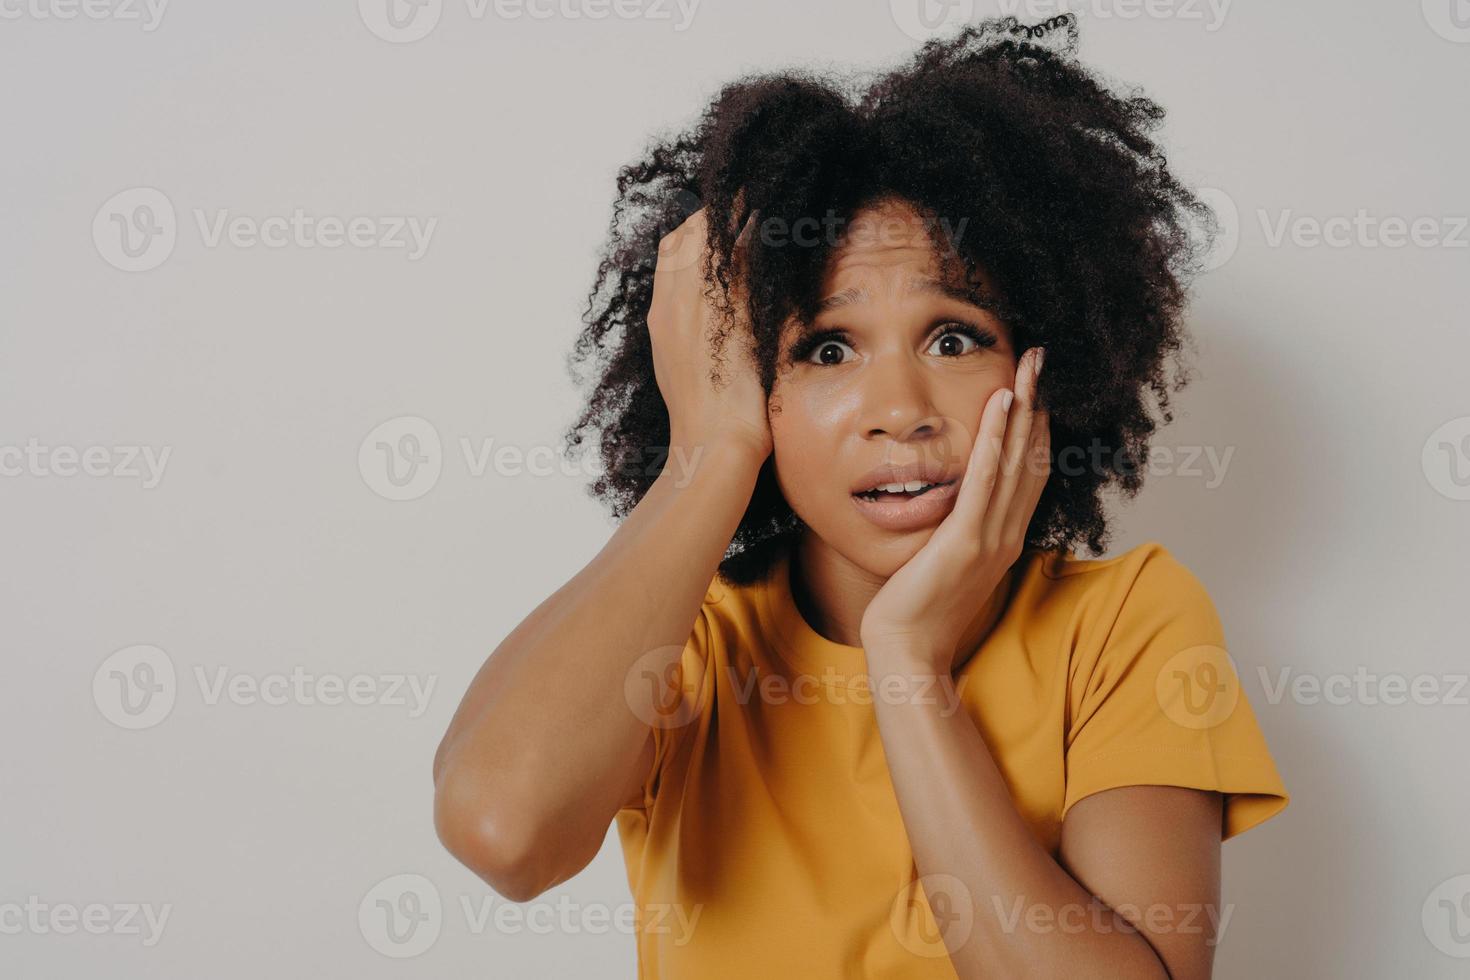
{"points": [[1336, 541]]}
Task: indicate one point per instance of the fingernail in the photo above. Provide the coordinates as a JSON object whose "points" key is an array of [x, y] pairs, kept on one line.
{"points": [[1040, 357], [1006, 399]]}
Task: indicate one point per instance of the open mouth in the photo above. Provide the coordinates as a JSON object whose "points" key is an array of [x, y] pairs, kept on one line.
{"points": [[900, 491]]}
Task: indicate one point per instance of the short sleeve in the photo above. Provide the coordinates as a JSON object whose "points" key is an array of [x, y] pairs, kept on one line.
{"points": [[684, 689], [1154, 697]]}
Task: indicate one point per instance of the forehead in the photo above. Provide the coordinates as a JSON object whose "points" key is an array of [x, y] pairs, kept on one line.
{"points": [[891, 229], [888, 254], [886, 248]]}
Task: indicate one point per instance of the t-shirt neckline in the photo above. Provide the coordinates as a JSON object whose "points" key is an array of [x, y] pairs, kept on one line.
{"points": [[801, 647]]}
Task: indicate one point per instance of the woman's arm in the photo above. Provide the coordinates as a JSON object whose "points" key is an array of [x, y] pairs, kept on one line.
{"points": [[544, 748], [1138, 896]]}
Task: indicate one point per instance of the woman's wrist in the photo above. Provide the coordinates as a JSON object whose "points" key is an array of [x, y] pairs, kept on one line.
{"points": [[730, 446], [906, 655], [724, 458]]}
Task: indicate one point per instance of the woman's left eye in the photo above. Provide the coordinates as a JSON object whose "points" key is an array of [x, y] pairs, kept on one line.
{"points": [[953, 343]]}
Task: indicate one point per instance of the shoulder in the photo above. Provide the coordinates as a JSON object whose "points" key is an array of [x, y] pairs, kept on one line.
{"points": [[1137, 622], [728, 619], [718, 590], [741, 600], [729, 612], [1148, 580], [1119, 619], [1150, 557], [1153, 694]]}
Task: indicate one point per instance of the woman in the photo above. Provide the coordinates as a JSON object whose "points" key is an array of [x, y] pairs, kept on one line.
{"points": [[855, 411]]}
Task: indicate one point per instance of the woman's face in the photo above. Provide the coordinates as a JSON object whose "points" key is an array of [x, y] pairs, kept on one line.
{"points": [[887, 386]]}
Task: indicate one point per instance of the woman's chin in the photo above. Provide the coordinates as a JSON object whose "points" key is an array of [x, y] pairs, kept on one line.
{"points": [[875, 551], [884, 553]]}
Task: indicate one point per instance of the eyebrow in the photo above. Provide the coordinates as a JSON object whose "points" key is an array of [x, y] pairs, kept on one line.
{"points": [[970, 295]]}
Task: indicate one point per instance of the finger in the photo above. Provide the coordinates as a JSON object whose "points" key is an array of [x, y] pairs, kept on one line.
{"points": [[1018, 444], [740, 253], [739, 205], [1037, 471], [983, 467], [683, 247], [1038, 459], [740, 258]]}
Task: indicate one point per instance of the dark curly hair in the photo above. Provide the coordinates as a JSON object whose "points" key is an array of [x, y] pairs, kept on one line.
{"points": [[1060, 198]]}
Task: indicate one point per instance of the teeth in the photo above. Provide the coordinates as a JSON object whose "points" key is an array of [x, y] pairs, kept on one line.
{"points": [[907, 487]]}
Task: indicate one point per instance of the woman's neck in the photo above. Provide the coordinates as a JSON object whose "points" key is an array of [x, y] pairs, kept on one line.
{"points": [[830, 592]]}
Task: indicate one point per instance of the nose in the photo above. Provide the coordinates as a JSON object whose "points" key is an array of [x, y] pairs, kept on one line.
{"points": [[897, 402]]}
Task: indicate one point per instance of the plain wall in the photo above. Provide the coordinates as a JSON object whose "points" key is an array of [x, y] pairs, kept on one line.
{"points": [[1335, 541]]}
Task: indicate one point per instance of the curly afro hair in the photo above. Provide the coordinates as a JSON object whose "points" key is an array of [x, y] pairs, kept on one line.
{"points": [[1063, 201]]}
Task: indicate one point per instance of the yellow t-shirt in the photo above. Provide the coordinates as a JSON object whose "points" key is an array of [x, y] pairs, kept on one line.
{"points": [[770, 844]]}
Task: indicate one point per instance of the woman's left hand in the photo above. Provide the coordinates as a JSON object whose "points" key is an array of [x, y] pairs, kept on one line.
{"points": [[922, 610]]}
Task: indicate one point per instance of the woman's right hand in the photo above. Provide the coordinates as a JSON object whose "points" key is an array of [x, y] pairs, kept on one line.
{"points": [[681, 322]]}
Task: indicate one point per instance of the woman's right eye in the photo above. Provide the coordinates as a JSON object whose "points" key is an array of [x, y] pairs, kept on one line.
{"points": [[829, 352]]}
